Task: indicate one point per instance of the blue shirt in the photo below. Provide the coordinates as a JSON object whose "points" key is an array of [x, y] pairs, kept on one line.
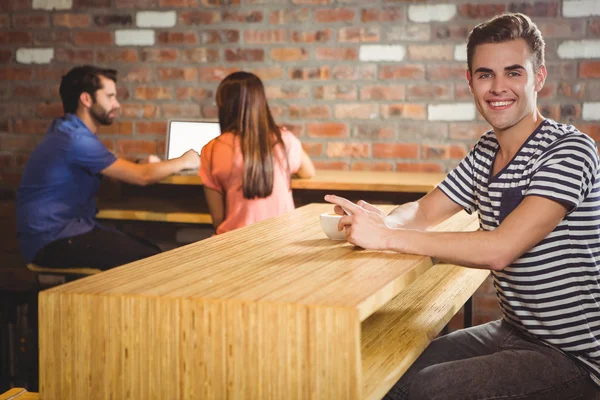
{"points": [[56, 195]]}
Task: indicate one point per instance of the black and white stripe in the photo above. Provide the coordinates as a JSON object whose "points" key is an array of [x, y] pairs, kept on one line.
{"points": [[553, 290]]}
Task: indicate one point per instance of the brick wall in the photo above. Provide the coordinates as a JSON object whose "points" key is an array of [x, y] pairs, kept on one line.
{"points": [[366, 85]]}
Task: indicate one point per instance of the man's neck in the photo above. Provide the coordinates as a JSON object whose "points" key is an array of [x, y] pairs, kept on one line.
{"points": [[87, 119], [513, 138]]}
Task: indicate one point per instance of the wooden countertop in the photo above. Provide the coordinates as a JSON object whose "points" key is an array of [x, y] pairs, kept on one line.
{"points": [[377, 181]]}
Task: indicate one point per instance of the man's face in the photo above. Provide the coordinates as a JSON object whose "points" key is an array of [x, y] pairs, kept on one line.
{"points": [[504, 84], [105, 105]]}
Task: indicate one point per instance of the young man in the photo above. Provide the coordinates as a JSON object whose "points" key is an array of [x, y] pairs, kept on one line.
{"points": [[534, 185], [56, 210]]}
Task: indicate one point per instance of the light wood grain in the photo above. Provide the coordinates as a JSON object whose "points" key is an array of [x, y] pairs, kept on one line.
{"points": [[19, 394], [377, 181], [156, 216], [272, 310], [394, 337]]}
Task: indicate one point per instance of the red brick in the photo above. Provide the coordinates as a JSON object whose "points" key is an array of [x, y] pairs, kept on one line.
{"points": [[122, 93], [117, 56], [293, 16], [176, 38], [332, 165], [339, 53], [287, 91], [371, 166], [395, 150], [277, 111], [562, 28], [359, 34], [21, 143], [12, 109], [403, 110], [327, 130], [116, 128], [15, 5], [120, 20], [242, 16], [36, 91], [594, 27], [136, 147], [374, 131], [93, 38], [570, 112], [462, 92], [382, 15], [46, 38], [548, 91], [355, 72], [50, 110], [452, 32], [15, 74], [356, 111], [153, 93], [550, 111], [218, 3], [244, 55], [50, 73], [311, 2], [6, 56], [4, 21], [200, 55], [562, 70], [198, 18], [467, 130], [306, 73], [431, 52], [138, 4], [408, 71], [571, 90], [31, 126], [214, 74], [322, 35], [435, 152], [15, 38], [268, 73], [6, 160], [289, 54], [344, 149], [151, 128], [265, 36], [589, 69], [313, 149], [212, 112], [180, 110], [186, 74], [77, 4], [593, 130], [109, 144], [426, 91], [139, 75], [193, 93], [447, 71], [178, 3], [309, 112], [481, 11], [159, 55], [139, 111], [382, 92], [296, 129], [335, 92], [418, 167], [333, 15], [219, 36], [31, 20], [70, 20], [537, 9], [73, 56]]}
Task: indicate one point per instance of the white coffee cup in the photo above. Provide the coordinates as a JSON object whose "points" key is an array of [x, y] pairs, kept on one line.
{"points": [[329, 224]]}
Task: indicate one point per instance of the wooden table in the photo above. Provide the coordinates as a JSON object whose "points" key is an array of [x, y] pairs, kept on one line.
{"points": [[188, 205], [274, 310], [19, 394]]}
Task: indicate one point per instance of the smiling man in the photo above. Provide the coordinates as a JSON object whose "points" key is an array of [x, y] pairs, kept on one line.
{"points": [[534, 185], [56, 224]]}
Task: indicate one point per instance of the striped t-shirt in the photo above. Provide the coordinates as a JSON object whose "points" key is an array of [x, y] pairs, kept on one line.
{"points": [[553, 290]]}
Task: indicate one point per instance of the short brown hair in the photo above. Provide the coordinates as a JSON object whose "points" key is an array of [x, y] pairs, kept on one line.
{"points": [[83, 79], [504, 28]]}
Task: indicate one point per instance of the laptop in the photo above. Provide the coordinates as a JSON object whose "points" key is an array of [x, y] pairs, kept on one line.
{"points": [[184, 135]]}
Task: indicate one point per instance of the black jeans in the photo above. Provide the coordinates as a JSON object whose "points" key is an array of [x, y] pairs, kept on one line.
{"points": [[101, 248]]}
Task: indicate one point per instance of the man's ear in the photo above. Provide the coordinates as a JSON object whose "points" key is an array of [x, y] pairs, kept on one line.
{"points": [[469, 80], [86, 99], [540, 78]]}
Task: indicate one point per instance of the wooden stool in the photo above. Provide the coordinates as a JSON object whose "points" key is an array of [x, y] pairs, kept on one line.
{"points": [[49, 277]]}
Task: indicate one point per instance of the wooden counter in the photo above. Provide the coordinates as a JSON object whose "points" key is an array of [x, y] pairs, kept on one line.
{"points": [[273, 310]]}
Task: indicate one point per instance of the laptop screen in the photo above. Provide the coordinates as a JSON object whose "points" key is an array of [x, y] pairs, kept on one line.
{"points": [[186, 135]]}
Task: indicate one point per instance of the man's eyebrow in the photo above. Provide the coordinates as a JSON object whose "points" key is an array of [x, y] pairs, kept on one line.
{"points": [[513, 67], [485, 70]]}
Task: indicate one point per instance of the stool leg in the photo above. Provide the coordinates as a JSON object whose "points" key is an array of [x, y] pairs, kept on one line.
{"points": [[468, 313]]}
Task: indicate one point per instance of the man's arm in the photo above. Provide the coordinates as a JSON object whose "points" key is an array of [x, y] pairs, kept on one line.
{"points": [[522, 229], [216, 206], [145, 174]]}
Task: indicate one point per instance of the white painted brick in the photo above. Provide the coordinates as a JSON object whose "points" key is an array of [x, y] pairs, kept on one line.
{"points": [[581, 8], [451, 112], [35, 56], [156, 19], [134, 37], [431, 12], [579, 49], [460, 52], [591, 111], [52, 4], [376, 52]]}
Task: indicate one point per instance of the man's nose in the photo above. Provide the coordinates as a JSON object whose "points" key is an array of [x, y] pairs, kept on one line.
{"points": [[498, 86]]}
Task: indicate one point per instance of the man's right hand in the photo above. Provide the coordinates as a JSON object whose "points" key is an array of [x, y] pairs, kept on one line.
{"points": [[191, 160]]}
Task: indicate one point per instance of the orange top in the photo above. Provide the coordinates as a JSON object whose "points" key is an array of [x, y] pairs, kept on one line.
{"points": [[225, 176]]}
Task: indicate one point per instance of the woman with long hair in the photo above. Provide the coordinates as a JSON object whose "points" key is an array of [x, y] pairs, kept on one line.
{"points": [[246, 171]]}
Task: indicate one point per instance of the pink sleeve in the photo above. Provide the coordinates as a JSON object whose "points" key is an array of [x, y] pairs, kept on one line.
{"points": [[293, 148], [208, 179]]}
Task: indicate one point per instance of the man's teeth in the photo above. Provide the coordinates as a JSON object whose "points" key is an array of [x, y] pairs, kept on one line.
{"points": [[500, 103]]}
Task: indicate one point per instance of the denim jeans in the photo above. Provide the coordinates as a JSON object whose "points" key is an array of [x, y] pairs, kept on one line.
{"points": [[493, 361]]}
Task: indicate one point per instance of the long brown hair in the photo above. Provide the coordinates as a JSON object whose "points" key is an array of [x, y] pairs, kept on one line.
{"points": [[244, 111]]}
